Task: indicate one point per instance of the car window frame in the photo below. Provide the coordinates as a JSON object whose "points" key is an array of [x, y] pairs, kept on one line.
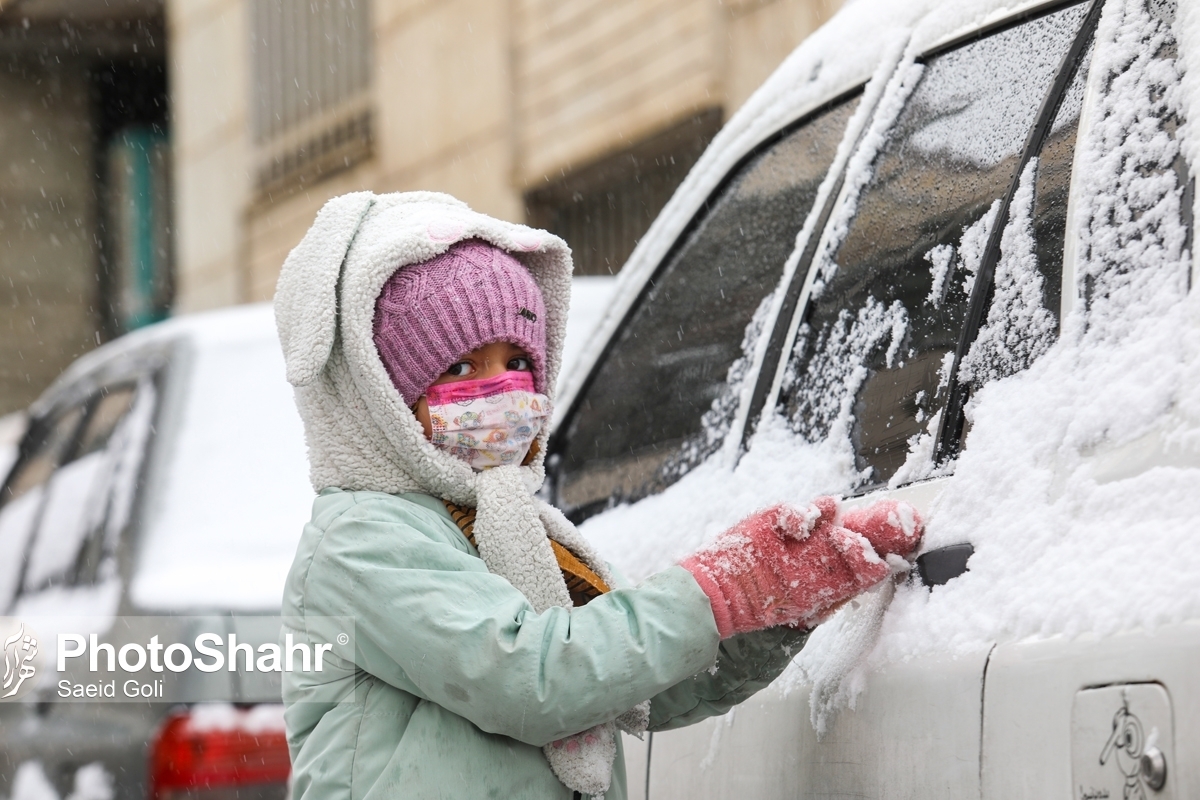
{"points": [[96, 388], [821, 207], [983, 289], [950, 432]]}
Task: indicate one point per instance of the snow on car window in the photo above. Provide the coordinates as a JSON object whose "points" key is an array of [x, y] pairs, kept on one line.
{"points": [[665, 394], [71, 502], [961, 115], [1018, 327], [234, 494], [1135, 224], [930, 191], [16, 523], [1078, 486], [1052, 189], [70, 534], [716, 421]]}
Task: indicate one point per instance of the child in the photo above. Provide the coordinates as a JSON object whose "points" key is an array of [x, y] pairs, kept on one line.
{"points": [[496, 654]]}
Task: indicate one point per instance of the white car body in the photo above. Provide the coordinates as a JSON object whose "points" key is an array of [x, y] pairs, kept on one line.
{"points": [[1068, 651]]}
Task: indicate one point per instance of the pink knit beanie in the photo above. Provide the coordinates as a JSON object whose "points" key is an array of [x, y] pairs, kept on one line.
{"points": [[431, 314]]}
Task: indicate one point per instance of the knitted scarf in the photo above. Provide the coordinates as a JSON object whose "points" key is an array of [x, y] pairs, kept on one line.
{"points": [[582, 583]]}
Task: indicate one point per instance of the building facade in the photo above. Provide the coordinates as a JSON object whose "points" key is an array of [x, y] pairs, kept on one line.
{"points": [[85, 191], [163, 156], [577, 115]]}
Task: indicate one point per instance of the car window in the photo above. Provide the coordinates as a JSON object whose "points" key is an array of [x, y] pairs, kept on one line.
{"points": [[57, 530], [664, 395], [877, 341], [46, 444], [1142, 94], [77, 494], [1023, 313]]}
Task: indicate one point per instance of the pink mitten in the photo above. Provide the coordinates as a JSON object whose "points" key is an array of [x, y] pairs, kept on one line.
{"points": [[892, 527], [783, 566]]}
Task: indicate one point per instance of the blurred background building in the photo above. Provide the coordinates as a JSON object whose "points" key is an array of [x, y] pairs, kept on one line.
{"points": [[163, 156]]}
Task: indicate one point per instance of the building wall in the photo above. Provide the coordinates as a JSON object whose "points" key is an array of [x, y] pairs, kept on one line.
{"points": [[596, 76], [484, 99], [48, 282], [208, 46]]}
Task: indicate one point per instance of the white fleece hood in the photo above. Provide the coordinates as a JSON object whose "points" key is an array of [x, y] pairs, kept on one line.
{"points": [[362, 437], [325, 307]]}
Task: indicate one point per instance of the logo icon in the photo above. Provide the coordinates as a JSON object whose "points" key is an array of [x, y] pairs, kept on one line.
{"points": [[1141, 763], [20, 649]]}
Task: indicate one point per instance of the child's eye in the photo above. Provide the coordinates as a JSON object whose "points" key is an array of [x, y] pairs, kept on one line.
{"points": [[459, 370], [519, 364]]}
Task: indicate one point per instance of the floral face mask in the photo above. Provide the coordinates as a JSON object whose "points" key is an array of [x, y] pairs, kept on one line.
{"points": [[487, 422]]}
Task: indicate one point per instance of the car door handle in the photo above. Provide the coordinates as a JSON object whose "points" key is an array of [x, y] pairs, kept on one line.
{"points": [[943, 564]]}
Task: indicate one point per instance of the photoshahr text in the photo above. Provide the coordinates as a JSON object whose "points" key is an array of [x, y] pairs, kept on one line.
{"points": [[212, 652]]}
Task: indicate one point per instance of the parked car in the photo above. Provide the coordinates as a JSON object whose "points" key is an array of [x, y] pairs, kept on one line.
{"points": [[943, 255], [131, 497]]}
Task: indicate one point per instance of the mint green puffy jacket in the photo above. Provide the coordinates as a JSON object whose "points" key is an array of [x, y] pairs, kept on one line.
{"points": [[456, 683]]}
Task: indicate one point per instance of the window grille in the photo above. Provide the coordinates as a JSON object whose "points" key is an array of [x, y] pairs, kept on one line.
{"points": [[311, 114]]}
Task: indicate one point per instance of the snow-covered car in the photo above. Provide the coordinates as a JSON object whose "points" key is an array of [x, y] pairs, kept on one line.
{"points": [[163, 482], [943, 255], [162, 476]]}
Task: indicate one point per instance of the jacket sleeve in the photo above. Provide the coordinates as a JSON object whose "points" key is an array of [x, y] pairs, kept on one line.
{"points": [[745, 665], [431, 620]]}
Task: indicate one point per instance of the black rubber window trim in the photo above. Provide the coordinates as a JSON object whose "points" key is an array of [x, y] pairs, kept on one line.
{"points": [[950, 434]]}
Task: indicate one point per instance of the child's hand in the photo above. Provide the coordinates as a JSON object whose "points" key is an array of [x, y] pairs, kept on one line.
{"points": [[789, 566], [892, 527]]}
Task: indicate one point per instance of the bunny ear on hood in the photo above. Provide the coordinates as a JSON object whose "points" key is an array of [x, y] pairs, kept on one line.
{"points": [[306, 307]]}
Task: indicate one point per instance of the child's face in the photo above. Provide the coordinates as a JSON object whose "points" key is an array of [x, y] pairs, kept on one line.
{"points": [[481, 363]]}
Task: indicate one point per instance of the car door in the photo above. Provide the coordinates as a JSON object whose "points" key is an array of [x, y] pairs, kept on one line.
{"points": [[890, 364], [881, 340], [1112, 711], [665, 393]]}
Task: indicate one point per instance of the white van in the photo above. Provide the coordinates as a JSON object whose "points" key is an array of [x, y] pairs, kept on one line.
{"points": [[943, 254]]}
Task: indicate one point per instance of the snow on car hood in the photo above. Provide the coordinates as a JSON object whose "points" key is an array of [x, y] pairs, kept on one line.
{"points": [[1080, 483], [226, 511]]}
